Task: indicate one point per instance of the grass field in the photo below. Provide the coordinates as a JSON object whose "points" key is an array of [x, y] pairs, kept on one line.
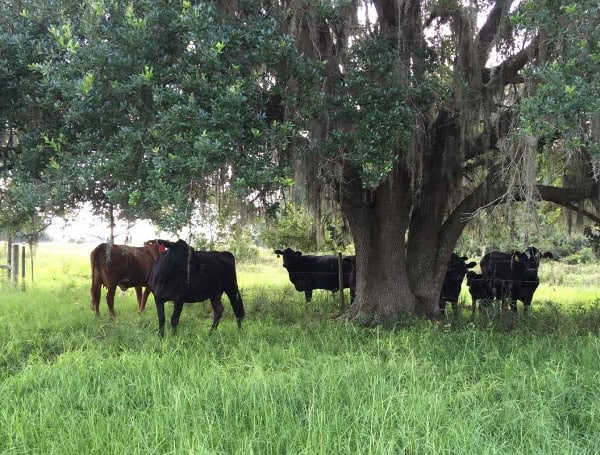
{"points": [[294, 381]]}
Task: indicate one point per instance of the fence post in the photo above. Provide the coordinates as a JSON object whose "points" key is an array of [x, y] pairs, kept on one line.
{"points": [[14, 265], [23, 262], [23, 267], [8, 258], [341, 281]]}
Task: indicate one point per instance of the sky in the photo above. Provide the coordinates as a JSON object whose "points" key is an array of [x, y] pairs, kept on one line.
{"points": [[87, 228]]}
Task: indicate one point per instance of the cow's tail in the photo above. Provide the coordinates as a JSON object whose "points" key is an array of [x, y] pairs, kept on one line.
{"points": [[96, 279]]}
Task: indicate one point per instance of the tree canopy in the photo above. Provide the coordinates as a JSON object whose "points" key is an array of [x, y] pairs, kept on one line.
{"points": [[411, 116]]}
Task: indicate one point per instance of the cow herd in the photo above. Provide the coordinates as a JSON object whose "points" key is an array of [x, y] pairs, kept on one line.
{"points": [[174, 271], [505, 277]]}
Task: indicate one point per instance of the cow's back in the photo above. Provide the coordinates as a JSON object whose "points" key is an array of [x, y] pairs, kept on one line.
{"points": [[121, 265], [193, 276], [498, 265], [324, 274]]}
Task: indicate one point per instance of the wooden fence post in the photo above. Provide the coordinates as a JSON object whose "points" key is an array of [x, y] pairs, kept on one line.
{"points": [[14, 265], [8, 258], [23, 267], [341, 281]]}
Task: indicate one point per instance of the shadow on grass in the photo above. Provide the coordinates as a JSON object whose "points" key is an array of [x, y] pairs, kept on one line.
{"points": [[287, 307], [544, 319]]}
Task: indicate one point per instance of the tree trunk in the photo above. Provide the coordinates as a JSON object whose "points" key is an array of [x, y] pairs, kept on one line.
{"points": [[378, 220], [112, 224]]}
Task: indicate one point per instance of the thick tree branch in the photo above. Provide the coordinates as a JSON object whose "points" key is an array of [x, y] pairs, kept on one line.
{"points": [[443, 12], [564, 196], [486, 196], [488, 33], [508, 71], [586, 213], [387, 13], [458, 219]]}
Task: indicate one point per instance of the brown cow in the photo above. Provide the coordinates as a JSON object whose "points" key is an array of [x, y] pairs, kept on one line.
{"points": [[123, 266]]}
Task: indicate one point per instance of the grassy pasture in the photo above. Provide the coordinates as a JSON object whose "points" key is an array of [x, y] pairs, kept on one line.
{"points": [[294, 381]]}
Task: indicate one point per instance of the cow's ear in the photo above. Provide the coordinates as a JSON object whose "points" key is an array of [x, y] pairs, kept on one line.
{"points": [[298, 253], [278, 252], [548, 255]]}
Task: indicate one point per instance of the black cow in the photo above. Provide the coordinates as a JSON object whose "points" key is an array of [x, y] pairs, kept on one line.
{"points": [[455, 273], [480, 289], [184, 276], [514, 276], [314, 272]]}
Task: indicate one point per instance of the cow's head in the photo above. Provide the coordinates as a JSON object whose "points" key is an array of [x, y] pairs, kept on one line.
{"points": [[529, 260], [475, 281], [457, 266], [289, 257], [473, 277], [153, 248]]}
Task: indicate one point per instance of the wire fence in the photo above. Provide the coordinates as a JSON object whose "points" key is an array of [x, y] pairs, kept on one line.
{"points": [[553, 279]]}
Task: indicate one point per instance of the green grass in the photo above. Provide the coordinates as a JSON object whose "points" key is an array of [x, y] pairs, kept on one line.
{"points": [[293, 381]]}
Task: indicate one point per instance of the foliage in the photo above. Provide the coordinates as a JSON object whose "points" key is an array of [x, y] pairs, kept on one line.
{"points": [[293, 228], [566, 99], [24, 113], [510, 228], [378, 99], [153, 106], [238, 240]]}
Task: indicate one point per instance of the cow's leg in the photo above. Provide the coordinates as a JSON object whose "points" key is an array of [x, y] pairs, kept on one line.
{"points": [[160, 312], [512, 301], [138, 296], [110, 300], [177, 308], [217, 307], [235, 298], [526, 306], [455, 308], [95, 293], [505, 301], [308, 295], [506, 298], [442, 305], [145, 295]]}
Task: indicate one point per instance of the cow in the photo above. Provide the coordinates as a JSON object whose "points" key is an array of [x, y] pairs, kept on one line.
{"points": [[314, 272], [480, 289], [455, 273], [183, 275], [514, 276], [123, 266]]}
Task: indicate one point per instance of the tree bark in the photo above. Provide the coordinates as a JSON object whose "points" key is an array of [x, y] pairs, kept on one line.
{"points": [[378, 220]]}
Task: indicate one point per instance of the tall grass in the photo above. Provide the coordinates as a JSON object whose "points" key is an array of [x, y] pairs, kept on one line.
{"points": [[293, 380]]}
